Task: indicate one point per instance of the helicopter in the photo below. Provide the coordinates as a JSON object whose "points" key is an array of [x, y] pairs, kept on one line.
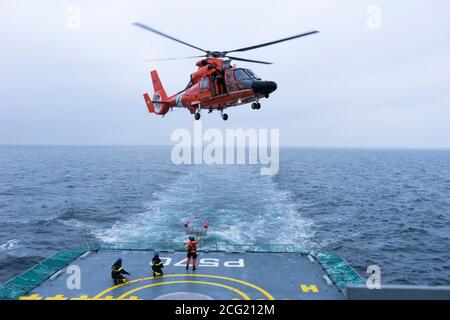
{"points": [[216, 85]]}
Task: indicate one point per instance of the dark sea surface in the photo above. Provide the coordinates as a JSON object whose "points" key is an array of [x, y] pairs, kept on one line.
{"points": [[385, 207]]}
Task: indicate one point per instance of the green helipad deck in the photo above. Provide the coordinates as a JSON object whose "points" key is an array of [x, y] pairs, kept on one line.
{"points": [[224, 272]]}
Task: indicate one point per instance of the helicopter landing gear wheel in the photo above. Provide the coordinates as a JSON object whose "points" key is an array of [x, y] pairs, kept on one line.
{"points": [[223, 115], [256, 106], [197, 116]]}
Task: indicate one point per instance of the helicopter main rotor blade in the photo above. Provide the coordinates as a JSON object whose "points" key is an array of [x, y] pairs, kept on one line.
{"points": [[272, 42], [248, 60], [170, 59], [143, 26]]}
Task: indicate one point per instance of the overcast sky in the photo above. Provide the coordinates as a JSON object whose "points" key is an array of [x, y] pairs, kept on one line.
{"points": [[349, 86]]}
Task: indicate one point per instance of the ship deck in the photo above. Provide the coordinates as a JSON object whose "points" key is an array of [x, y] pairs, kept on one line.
{"points": [[220, 275]]}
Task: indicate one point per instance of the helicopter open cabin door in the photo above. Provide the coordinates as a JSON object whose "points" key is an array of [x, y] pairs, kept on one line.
{"points": [[230, 81]]}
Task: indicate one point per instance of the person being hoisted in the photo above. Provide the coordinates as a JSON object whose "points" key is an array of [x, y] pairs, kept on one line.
{"points": [[191, 252], [157, 265], [117, 273]]}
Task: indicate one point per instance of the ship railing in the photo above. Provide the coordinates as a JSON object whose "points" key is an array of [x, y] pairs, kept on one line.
{"points": [[207, 247]]}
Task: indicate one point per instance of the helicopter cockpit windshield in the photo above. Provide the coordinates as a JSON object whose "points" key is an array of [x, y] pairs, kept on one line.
{"points": [[252, 74], [245, 74]]}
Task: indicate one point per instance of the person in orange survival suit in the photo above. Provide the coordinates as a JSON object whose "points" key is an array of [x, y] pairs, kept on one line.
{"points": [[191, 252]]}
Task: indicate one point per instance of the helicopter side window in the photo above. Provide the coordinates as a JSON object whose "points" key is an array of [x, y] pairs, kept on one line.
{"points": [[241, 75], [204, 84]]}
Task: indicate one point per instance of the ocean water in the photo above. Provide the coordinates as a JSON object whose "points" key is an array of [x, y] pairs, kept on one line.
{"points": [[385, 207]]}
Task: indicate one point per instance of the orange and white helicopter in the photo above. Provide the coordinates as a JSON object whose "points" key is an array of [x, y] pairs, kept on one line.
{"points": [[216, 85]]}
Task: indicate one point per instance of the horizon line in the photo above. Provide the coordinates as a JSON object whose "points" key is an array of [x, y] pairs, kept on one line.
{"points": [[285, 146]]}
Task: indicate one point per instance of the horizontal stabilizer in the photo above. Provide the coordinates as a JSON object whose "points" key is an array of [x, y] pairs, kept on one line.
{"points": [[149, 102]]}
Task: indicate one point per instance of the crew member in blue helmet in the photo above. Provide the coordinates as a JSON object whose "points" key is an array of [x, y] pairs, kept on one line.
{"points": [[118, 272], [157, 265]]}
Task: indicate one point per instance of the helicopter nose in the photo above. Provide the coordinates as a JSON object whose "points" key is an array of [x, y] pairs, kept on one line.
{"points": [[264, 87]]}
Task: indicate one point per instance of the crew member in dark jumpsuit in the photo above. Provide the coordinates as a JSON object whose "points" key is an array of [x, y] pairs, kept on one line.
{"points": [[221, 83], [117, 272], [191, 252], [157, 265]]}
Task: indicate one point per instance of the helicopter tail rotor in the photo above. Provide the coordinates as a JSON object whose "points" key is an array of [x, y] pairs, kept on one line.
{"points": [[158, 87], [159, 103]]}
